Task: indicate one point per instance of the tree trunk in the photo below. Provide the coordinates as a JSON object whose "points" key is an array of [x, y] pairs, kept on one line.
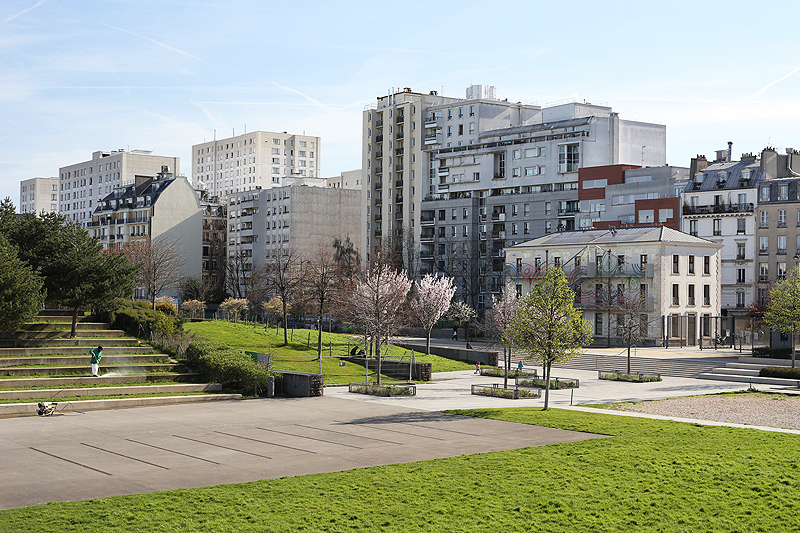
{"points": [[72, 332], [319, 334], [378, 357], [428, 343], [506, 362], [547, 386], [629, 354], [285, 321]]}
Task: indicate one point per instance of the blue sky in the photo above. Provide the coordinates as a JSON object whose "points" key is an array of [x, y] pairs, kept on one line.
{"points": [[78, 76]]}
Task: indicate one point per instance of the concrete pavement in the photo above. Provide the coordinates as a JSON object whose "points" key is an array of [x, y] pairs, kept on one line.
{"points": [[78, 456]]}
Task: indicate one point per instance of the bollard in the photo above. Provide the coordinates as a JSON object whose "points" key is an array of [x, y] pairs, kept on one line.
{"points": [[270, 386]]}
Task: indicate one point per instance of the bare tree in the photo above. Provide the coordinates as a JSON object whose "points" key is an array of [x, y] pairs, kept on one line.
{"points": [[161, 262], [497, 320], [321, 285], [376, 301], [284, 278], [430, 301], [238, 268]]}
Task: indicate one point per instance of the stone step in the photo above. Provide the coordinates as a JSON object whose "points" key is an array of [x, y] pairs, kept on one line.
{"points": [[59, 326], [748, 379], [77, 341], [108, 391], [70, 350], [19, 383], [64, 334], [57, 312], [684, 368], [736, 371], [84, 368], [83, 360], [65, 318], [765, 361], [17, 409]]}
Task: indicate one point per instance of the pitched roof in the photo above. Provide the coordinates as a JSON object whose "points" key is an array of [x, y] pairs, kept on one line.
{"points": [[605, 236]]}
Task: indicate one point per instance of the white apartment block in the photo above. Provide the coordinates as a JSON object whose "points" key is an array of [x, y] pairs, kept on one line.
{"points": [[38, 195], [260, 159], [83, 185], [484, 174], [349, 179], [670, 279]]}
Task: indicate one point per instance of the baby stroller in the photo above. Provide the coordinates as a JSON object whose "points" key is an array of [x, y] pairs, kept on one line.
{"points": [[47, 409]]}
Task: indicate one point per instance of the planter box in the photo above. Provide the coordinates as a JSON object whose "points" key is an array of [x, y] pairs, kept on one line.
{"points": [[555, 383], [393, 389], [497, 391], [495, 372], [633, 377]]}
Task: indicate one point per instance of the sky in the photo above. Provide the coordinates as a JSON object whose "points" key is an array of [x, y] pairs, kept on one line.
{"points": [[78, 76]]}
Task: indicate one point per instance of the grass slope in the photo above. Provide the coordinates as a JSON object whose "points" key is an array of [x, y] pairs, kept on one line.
{"points": [[651, 476], [301, 353]]}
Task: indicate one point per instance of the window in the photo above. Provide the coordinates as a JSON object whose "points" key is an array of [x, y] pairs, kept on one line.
{"points": [[781, 218], [782, 244], [706, 294], [781, 270], [741, 226], [764, 219], [526, 228], [717, 226], [783, 192], [691, 264], [647, 216], [763, 245], [740, 250], [740, 275], [763, 272], [690, 301], [568, 158], [764, 194], [598, 323], [643, 261], [675, 298], [693, 227], [516, 154], [675, 263], [740, 300]]}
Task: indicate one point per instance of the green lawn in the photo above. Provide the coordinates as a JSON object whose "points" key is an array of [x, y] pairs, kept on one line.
{"points": [[650, 476], [301, 353]]}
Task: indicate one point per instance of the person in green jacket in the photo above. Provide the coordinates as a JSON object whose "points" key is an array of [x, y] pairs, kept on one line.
{"points": [[97, 354]]}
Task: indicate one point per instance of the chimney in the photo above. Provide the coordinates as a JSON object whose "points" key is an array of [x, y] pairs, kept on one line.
{"points": [[730, 150], [698, 164], [769, 162]]}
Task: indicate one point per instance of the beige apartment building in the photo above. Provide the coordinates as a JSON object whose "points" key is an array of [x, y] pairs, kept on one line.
{"points": [[38, 195], [84, 184], [260, 159]]}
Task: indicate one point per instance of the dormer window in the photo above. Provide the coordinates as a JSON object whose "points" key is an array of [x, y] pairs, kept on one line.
{"points": [[722, 178], [745, 175]]}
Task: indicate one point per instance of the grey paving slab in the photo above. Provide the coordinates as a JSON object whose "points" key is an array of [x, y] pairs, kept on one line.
{"points": [[74, 456]]}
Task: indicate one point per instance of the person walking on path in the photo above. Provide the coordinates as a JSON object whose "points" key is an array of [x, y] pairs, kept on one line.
{"points": [[97, 354], [455, 333], [477, 367]]}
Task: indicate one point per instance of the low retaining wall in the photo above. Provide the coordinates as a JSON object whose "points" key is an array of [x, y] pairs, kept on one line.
{"points": [[494, 389], [392, 389], [302, 384], [462, 354], [394, 367]]}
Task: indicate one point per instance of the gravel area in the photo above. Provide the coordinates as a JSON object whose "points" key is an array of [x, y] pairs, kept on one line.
{"points": [[774, 410]]}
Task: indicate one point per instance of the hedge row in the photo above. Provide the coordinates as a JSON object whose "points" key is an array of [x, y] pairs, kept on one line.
{"points": [[777, 352], [219, 363], [132, 314], [779, 372]]}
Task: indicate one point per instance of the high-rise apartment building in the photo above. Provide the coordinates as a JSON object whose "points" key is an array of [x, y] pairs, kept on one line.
{"points": [[253, 160], [38, 195], [83, 185], [451, 182]]}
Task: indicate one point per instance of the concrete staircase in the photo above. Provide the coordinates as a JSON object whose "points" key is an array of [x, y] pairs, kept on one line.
{"points": [[674, 367], [746, 370], [40, 362]]}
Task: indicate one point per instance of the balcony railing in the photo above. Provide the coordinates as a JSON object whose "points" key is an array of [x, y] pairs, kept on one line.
{"points": [[713, 209]]}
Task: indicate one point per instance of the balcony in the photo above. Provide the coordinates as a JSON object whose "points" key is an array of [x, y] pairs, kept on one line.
{"points": [[400, 117], [498, 217], [398, 215], [625, 270], [378, 217], [740, 257], [399, 135], [430, 121], [398, 199], [443, 171], [763, 278], [781, 251], [379, 123], [378, 154], [379, 138], [427, 236], [568, 211], [715, 209], [378, 185], [378, 201], [399, 151], [398, 168], [398, 183], [430, 139], [426, 220]]}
